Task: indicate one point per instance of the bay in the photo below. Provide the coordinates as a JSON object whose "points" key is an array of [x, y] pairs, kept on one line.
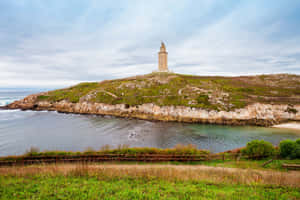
{"points": [[21, 130]]}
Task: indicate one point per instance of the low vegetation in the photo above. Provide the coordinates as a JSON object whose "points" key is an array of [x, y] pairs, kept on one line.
{"points": [[166, 89], [254, 150], [289, 149], [237, 159], [259, 149], [71, 94], [211, 179], [122, 149]]}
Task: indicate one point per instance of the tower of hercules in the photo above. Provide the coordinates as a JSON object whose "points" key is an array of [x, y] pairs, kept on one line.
{"points": [[163, 59]]}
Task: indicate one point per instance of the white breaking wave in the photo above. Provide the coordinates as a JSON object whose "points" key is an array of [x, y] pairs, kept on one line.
{"points": [[9, 111], [10, 115], [4, 102]]}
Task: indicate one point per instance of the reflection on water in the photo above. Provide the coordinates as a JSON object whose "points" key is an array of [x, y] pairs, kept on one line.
{"points": [[20, 130]]}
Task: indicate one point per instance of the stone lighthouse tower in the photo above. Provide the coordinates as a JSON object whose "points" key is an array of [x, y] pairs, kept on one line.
{"points": [[163, 59]]}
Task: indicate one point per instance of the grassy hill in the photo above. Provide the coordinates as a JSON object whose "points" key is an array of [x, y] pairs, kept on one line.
{"points": [[208, 92]]}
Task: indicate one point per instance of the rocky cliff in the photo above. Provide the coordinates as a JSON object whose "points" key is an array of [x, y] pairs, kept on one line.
{"points": [[254, 114], [254, 100]]}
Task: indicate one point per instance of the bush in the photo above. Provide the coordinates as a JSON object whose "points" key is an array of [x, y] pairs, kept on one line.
{"points": [[289, 149], [203, 98], [291, 110], [185, 149], [259, 149]]}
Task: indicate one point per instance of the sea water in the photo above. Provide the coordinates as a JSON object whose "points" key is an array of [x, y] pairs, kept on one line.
{"points": [[20, 130]]}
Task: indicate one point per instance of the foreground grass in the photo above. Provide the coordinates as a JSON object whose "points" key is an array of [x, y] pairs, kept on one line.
{"points": [[85, 187], [109, 181]]}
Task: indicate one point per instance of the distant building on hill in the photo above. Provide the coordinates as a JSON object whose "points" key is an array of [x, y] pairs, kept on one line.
{"points": [[163, 59]]}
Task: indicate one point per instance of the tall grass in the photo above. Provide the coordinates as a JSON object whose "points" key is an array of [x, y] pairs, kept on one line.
{"points": [[165, 172]]}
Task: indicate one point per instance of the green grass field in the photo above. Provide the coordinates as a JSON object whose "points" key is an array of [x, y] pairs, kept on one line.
{"points": [[86, 187]]}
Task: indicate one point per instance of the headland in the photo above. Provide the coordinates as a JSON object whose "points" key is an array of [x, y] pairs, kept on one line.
{"points": [[262, 100]]}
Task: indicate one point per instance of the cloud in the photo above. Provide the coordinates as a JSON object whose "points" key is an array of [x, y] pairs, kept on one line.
{"points": [[56, 43]]}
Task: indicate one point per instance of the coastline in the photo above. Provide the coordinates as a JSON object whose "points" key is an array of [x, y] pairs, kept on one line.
{"points": [[256, 114], [290, 125], [178, 98]]}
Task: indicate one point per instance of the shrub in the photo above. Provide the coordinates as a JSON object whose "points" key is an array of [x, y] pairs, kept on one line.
{"points": [[291, 110], [203, 98], [297, 151], [289, 149], [185, 149], [259, 149]]}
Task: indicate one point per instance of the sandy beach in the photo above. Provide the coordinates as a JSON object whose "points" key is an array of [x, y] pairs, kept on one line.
{"points": [[291, 125]]}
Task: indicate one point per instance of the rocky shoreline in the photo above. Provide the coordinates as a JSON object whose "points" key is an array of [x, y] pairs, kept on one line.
{"points": [[255, 114]]}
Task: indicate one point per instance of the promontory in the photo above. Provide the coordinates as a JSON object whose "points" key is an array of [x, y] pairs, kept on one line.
{"points": [[253, 100]]}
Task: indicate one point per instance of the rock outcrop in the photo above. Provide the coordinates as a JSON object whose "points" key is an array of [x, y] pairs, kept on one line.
{"points": [[254, 114]]}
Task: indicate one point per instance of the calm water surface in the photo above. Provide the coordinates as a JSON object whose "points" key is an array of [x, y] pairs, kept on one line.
{"points": [[20, 130]]}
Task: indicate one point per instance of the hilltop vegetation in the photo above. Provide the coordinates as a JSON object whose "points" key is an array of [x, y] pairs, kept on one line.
{"points": [[165, 89]]}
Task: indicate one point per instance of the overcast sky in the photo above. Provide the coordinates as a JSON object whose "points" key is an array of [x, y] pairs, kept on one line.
{"points": [[51, 43]]}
